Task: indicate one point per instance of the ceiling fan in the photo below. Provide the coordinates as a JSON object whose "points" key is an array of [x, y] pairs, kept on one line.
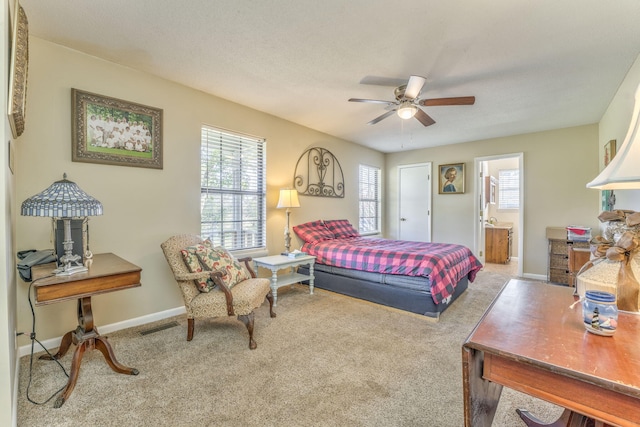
{"points": [[408, 102]]}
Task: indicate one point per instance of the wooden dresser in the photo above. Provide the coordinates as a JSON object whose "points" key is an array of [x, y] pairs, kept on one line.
{"points": [[561, 268]]}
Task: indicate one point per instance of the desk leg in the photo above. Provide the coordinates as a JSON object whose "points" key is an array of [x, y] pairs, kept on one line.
{"points": [[62, 350], [480, 396], [73, 375], [86, 337], [105, 348]]}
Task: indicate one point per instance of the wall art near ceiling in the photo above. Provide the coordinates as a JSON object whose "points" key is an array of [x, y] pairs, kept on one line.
{"points": [[608, 196], [18, 71], [609, 151], [318, 173], [451, 178], [115, 132]]}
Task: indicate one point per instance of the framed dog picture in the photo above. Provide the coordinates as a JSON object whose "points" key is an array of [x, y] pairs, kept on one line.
{"points": [[451, 178], [115, 132]]}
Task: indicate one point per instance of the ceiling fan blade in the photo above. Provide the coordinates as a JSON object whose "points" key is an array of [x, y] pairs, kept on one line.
{"points": [[424, 118], [382, 117], [372, 101], [382, 81], [414, 87], [461, 100]]}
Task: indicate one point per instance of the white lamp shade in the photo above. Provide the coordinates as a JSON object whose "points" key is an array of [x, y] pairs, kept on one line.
{"points": [[288, 199], [623, 172]]}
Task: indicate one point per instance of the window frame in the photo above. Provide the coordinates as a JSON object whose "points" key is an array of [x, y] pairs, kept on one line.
{"points": [[236, 205], [510, 188], [376, 182]]}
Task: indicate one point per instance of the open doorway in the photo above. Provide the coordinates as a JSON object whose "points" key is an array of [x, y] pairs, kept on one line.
{"points": [[499, 191]]}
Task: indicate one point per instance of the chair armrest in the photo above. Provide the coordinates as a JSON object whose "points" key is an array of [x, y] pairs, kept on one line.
{"points": [[191, 276], [216, 276], [247, 264]]}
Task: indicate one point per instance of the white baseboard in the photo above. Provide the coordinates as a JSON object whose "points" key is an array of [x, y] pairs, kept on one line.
{"points": [[106, 329], [14, 417]]}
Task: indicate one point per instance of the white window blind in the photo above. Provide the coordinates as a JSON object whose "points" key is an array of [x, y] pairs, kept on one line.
{"points": [[369, 200], [509, 189], [232, 189]]}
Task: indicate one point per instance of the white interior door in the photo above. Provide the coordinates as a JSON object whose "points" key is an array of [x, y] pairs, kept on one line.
{"points": [[481, 173], [415, 202]]}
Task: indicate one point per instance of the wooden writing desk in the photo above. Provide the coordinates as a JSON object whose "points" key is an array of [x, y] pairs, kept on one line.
{"points": [[531, 341], [107, 273]]}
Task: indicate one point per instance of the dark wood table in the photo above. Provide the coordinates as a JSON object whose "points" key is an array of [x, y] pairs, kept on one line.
{"points": [[107, 273], [530, 340]]}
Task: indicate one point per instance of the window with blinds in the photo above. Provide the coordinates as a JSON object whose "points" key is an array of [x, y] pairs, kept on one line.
{"points": [[369, 200], [232, 189], [509, 189]]}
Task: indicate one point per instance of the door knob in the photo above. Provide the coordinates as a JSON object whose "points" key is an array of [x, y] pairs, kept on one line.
{"points": [[403, 219]]}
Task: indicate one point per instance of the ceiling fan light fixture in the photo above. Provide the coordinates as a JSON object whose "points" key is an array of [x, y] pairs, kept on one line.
{"points": [[407, 110]]}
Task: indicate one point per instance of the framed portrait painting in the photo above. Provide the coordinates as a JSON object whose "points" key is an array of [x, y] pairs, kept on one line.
{"points": [[451, 178], [115, 132]]}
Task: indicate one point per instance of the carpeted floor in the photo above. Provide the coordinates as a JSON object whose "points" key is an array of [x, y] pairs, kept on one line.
{"points": [[326, 360]]}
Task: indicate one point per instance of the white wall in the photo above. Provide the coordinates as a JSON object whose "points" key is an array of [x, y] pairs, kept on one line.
{"points": [[143, 207], [557, 166], [8, 314], [614, 125]]}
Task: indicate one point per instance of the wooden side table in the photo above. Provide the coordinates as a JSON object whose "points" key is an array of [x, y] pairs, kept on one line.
{"points": [[279, 262], [107, 273], [532, 341]]}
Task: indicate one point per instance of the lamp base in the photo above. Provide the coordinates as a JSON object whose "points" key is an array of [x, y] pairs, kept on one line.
{"points": [[68, 270]]}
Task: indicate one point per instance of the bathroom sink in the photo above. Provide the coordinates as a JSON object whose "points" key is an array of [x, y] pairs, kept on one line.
{"points": [[503, 224]]}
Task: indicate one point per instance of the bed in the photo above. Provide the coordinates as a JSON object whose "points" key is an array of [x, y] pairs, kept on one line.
{"points": [[419, 277]]}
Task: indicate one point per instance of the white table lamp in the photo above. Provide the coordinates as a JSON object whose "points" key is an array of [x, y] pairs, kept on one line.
{"points": [[288, 199]]}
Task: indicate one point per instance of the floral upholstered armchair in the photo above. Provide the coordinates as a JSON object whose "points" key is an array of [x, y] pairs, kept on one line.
{"points": [[214, 283]]}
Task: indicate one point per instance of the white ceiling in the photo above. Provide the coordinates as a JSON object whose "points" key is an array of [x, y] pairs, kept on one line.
{"points": [[532, 65]]}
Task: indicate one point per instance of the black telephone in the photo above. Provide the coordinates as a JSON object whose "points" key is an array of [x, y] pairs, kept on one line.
{"points": [[32, 257]]}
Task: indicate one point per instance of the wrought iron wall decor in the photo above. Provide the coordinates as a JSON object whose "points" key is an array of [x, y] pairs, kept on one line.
{"points": [[318, 173]]}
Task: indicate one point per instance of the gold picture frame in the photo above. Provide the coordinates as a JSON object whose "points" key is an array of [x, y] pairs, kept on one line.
{"points": [[608, 196], [18, 70], [451, 178], [609, 151], [115, 132]]}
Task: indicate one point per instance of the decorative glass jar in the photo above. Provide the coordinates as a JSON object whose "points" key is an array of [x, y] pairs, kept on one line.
{"points": [[615, 229], [600, 312]]}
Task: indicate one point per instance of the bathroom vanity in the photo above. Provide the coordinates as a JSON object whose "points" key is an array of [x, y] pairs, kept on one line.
{"points": [[498, 238]]}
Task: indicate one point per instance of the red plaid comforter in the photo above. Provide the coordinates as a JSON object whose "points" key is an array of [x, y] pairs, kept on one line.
{"points": [[444, 264]]}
